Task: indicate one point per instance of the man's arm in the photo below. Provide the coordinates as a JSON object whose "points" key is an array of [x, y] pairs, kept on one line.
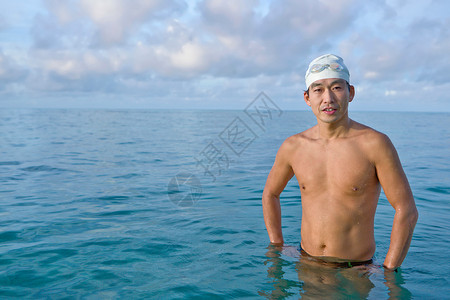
{"points": [[277, 180], [398, 192]]}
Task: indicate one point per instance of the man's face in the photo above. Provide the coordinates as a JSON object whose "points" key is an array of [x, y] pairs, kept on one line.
{"points": [[329, 98]]}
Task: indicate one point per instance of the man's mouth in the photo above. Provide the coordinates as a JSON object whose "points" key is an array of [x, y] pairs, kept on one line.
{"points": [[329, 110]]}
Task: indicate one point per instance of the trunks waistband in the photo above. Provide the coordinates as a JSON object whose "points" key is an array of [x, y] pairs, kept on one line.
{"points": [[344, 264]]}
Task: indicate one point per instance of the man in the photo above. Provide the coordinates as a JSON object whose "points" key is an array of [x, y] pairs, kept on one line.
{"points": [[340, 166]]}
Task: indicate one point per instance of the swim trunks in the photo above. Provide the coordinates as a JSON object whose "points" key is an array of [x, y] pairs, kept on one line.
{"points": [[344, 264]]}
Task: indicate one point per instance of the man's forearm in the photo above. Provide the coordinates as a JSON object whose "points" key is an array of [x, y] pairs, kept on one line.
{"points": [[402, 231], [272, 217]]}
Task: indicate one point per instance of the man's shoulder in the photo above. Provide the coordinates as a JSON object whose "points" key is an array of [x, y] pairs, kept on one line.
{"points": [[373, 141], [301, 137], [296, 141], [368, 134]]}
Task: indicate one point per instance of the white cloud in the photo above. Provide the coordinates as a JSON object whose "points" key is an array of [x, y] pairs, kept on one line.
{"points": [[143, 46], [102, 23], [390, 93], [190, 57], [114, 20]]}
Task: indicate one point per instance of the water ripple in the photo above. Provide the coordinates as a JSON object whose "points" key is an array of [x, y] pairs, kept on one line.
{"points": [[85, 211]]}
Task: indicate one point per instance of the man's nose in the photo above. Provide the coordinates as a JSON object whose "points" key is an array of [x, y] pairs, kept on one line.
{"points": [[328, 96]]}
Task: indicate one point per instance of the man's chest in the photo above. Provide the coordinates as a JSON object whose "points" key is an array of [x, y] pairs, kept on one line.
{"points": [[345, 169]]}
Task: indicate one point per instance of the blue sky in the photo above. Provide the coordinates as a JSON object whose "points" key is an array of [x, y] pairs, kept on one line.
{"points": [[219, 54]]}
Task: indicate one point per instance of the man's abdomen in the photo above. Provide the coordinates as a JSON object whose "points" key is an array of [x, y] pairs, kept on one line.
{"points": [[339, 233]]}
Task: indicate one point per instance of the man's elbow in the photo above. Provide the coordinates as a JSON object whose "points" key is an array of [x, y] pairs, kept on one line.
{"points": [[269, 196], [414, 216], [411, 216], [269, 193]]}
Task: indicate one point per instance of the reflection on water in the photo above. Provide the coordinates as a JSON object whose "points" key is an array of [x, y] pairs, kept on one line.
{"points": [[319, 281], [282, 287], [394, 281]]}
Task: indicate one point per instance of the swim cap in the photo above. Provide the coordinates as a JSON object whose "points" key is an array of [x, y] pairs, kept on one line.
{"points": [[326, 66]]}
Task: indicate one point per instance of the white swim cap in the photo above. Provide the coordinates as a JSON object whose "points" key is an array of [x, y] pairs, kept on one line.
{"points": [[326, 66]]}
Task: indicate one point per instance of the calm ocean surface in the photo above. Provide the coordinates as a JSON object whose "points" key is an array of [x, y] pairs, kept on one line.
{"points": [[109, 204]]}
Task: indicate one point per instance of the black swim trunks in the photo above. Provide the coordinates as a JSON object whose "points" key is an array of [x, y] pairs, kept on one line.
{"points": [[343, 264]]}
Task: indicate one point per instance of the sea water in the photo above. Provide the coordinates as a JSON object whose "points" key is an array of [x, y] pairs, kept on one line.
{"points": [[109, 204]]}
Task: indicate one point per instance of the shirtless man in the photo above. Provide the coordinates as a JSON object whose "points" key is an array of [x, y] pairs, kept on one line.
{"points": [[340, 166]]}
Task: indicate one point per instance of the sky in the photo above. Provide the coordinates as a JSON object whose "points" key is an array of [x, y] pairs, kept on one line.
{"points": [[220, 54]]}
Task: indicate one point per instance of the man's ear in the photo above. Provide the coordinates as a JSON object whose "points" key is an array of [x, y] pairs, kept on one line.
{"points": [[352, 93], [306, 98]]}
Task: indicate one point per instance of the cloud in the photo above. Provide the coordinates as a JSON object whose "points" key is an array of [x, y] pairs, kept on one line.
{"points": [[411, 52], [10, 70], [99, 23], [144, 46], [115, 20], [250, 44], [312, 20], [63, 26], [431, 43], [229, 17], [229, 39]]}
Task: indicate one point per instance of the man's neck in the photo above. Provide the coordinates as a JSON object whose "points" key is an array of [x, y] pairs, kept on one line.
{"points": [[328, 131]]}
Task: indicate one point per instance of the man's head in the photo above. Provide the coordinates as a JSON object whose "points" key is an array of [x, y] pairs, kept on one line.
{"points": [[328, 90], [324, 67]]}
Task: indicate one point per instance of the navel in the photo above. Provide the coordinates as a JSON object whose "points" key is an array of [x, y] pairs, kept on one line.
{"points": [[355, 188]]}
